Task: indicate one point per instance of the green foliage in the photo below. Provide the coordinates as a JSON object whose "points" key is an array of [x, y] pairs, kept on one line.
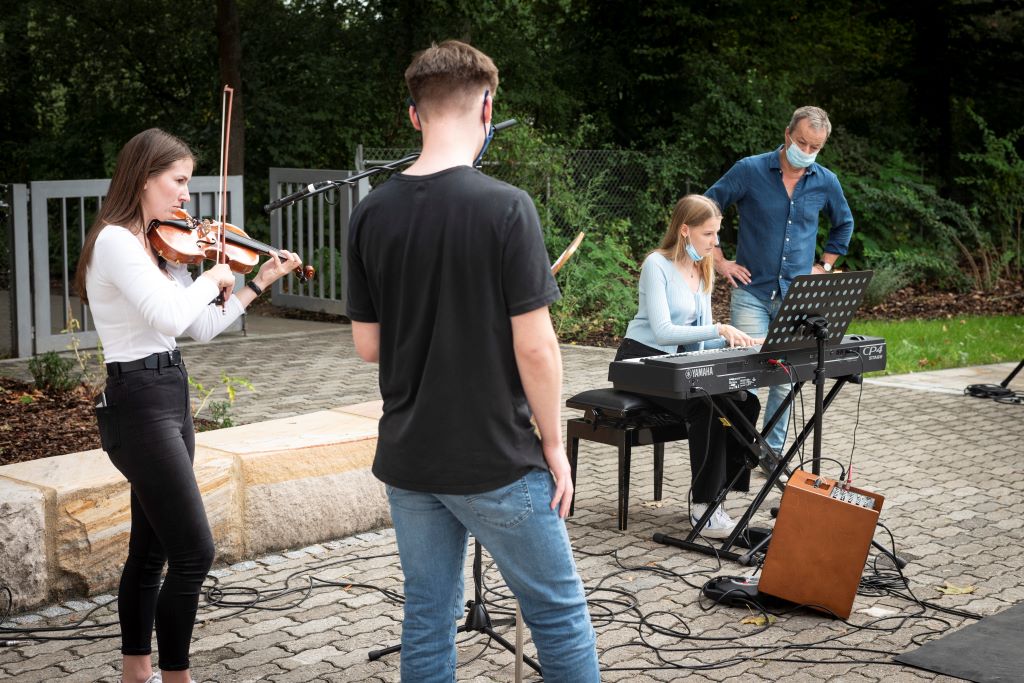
{"points": [[598, 288], [905, 266], [91, 364], [220, 411], [53, 374], [898, 212], [677, 90], [997, 184]]}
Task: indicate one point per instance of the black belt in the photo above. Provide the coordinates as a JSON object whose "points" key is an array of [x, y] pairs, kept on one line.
{"points": [[153, 361]]}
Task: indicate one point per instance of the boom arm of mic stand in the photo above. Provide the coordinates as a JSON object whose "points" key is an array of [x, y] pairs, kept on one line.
{"points": [[314, 189]]}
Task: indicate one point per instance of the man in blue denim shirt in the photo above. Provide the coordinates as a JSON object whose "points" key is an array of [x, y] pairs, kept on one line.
{"points": [[780, 195]]}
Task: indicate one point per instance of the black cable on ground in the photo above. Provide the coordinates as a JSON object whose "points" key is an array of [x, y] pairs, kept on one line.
{"points": [[665, 635]]}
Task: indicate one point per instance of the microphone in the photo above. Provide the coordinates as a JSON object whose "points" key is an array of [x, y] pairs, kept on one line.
{"points": [[504, 124], [292, 198]]}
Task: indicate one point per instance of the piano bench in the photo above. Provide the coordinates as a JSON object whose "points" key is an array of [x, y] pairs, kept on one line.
{"points": [[619, 418]]}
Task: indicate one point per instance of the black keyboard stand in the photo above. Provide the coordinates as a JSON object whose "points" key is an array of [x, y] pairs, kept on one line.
{"points": [[817, 309], [744, 536]]}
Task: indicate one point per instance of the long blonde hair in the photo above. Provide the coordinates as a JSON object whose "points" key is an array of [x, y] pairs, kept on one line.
{"points": [[692, 210]]}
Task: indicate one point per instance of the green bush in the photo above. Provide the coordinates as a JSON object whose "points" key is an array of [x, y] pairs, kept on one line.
{"points": [[997, 193], [53, 373], [598, 288], [901, 268]]}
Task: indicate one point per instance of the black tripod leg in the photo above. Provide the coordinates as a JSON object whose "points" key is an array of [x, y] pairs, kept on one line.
{"points": [[374, 655], [1009, 378], [759, 499], [477, 619]]}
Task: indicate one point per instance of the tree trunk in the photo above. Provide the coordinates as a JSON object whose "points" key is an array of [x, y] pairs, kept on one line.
{"points": [[229, 57]]}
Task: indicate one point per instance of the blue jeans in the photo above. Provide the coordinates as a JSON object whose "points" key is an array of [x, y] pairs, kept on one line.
{"points": [[752, 315], [530, 545]]}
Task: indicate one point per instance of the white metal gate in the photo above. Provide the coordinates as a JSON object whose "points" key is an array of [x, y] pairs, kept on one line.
{"points": [[316, 228], [48, 246]]}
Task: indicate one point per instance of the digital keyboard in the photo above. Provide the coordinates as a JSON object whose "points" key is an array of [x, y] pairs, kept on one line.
{"points": [[719, 371]]}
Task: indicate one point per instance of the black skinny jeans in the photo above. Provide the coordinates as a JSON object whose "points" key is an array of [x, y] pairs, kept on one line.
{"points": [[717, 454], [147, 432]]}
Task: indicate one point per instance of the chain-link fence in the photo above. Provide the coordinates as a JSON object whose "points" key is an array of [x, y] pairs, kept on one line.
{"points": [[581, 189]]}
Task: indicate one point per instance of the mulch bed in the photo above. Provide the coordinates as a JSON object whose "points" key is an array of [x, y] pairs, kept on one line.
{"points": [[36, 425]]}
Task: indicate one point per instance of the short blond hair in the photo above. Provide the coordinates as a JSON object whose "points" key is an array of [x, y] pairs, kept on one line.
{"points": [[449, 75]]}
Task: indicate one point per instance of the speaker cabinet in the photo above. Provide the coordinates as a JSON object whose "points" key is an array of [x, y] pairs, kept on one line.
{"points": [[820, 543]]}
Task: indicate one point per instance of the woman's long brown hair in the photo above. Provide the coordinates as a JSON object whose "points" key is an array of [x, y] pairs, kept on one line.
{"points": [[148, 154]]}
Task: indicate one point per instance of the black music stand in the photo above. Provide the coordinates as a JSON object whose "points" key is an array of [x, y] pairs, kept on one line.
{"points": [[477, 618], [816, 312]]}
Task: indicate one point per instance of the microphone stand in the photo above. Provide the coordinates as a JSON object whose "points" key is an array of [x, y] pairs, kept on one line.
{"points": [[314, 189]]}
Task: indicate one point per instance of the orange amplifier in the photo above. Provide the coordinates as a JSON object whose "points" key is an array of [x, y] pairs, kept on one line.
{"points": [[820, 543]]}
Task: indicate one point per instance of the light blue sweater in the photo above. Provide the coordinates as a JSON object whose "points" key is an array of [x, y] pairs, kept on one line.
{"points": [[670, 313]]}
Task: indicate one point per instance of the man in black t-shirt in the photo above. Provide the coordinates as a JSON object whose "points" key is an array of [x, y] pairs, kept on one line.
{"points": [[449, 288]]}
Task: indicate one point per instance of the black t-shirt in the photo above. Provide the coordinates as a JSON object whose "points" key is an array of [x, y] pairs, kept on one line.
{"points": [[442, 261]]}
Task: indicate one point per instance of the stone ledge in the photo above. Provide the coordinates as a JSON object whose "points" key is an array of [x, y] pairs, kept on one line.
{"points": [[64, 521]]}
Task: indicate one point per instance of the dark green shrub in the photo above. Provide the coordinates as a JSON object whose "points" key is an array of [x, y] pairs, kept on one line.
{"points": [[598, 288], [53, 373], [901, 268]]}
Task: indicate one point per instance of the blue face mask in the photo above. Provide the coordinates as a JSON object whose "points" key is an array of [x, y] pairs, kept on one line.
{"points": [[799, 158], [692, 253]]}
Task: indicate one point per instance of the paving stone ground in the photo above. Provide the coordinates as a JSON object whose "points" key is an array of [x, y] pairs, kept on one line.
{"points": [[949, 467]]}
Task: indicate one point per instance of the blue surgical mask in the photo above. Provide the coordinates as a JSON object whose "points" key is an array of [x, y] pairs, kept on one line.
{"points": [[692, 253], [799, 158]]}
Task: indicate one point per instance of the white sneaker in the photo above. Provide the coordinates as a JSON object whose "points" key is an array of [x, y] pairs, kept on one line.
{"points": [[719, 525], [153, 678]]}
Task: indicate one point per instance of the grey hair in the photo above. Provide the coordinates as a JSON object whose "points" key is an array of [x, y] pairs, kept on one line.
{"points": [[816, 117]]}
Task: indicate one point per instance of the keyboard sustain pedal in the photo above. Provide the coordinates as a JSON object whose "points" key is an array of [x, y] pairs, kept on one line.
{"points": [[740, 591]]}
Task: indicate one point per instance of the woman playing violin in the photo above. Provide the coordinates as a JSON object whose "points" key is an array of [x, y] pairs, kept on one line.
{"points": [[140, 303]]}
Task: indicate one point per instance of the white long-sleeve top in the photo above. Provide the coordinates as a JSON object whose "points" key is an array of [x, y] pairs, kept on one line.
{"points": [[139, 309]]}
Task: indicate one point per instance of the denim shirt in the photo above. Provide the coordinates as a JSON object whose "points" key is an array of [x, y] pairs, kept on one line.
{"points": [[778, 234]]}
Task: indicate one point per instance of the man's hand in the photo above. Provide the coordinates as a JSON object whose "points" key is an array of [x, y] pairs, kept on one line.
{"points": [[558, 463], [733, 272]]}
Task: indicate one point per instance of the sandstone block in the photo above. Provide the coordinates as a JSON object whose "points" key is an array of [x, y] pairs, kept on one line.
{"points": [[87, 519], [23, 565], [89, 516], [305, 478]]}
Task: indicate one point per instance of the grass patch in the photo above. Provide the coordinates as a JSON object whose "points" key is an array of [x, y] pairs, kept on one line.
{"points": [[919, 345]]}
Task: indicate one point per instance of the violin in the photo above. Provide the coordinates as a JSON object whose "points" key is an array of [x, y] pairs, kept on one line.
{"points": [[184, 239]]}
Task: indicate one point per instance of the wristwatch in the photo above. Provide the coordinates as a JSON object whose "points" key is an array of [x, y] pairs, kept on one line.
{"points": [[826, 266]]}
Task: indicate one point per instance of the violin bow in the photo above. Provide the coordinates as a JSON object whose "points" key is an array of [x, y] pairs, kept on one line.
{"points": [[225, 141], [567, 254]]}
